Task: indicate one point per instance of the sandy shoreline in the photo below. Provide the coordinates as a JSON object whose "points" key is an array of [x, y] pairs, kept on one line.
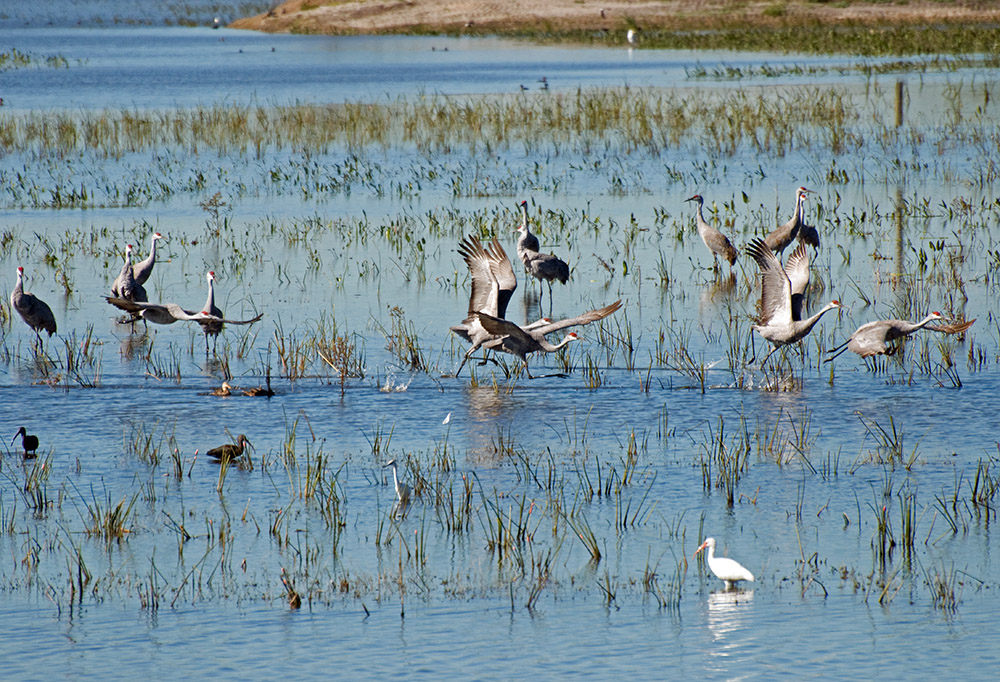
{"points": [[401, 16]]}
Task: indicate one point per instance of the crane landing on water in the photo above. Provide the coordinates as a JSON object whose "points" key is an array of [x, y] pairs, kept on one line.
{"points": [[878, 337]]}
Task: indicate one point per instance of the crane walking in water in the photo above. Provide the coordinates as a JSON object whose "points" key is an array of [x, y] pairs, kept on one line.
{"points": [[876, 338], [727, 570], [782, 296], [210, 317], [34, 311], [544, 267], [29, 443], [716, 242], [786, 234]]}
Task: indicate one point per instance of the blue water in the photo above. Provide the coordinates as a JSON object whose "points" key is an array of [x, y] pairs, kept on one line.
{"points": [[804, 521]]}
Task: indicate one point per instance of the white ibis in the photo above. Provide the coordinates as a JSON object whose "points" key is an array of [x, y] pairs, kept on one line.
{"points": [[725, 569]]}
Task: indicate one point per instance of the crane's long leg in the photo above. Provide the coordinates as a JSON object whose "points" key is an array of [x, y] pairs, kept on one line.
{"points": [[767, 357]]}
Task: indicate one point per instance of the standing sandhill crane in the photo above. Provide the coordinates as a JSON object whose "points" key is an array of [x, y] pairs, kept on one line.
{"points": [[29, 443], [782, 295], [727, 570], [876, 338], [33, 310], [402, 490], [144, 268], [210, 318], [230, 450], [542, 266], [808, 234], [786, 234], [125, 285], [716, 242], [521, 341], [525, 240]]}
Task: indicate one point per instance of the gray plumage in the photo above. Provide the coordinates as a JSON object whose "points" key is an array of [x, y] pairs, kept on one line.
{"points": [[786, 234], [782, 293], [876, 338], [144, 268], [210, 317], [544, 267], [522, 341], [493, 284], [716, 242], [33, 310], [125, 285]]}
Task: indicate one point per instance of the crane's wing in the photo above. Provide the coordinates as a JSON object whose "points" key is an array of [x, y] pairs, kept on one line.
{"points": [[585, 318], [501, 327], [483, 281], [953, 328], [172, 310], [797, 271], [212, 318], [775, 289], [503, 276]]}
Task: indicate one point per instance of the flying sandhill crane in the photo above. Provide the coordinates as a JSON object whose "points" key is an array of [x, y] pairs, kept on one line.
{"points": [[402, 490], [716, 242], [33, 310], [493, 284], [876, 338], [521, 341], [230, 450], [727, 570], [786, 234], [542, 266], [210, 317], [144, 268], [782, 296], [29, 443]]}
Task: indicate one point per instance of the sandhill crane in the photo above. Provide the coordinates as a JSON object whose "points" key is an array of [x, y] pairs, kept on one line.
{"points": [[716, 242], [144, 268], [125, 285], [402, 490], [542, 266], [33, 310], [493, 284], [525, 240], [727, 570], [808, 234], [876, 338], [786, 234], [521, 341], [781, 296], [210, 317], [230, 450], [517, 341], [29, 443]]}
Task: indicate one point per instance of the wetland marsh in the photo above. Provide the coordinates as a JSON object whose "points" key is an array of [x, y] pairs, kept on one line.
{"points": [[553, 521]]}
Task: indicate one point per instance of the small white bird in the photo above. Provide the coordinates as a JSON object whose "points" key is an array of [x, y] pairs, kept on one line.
{"points": [[724, 569], [402, 490], [632, 37]]}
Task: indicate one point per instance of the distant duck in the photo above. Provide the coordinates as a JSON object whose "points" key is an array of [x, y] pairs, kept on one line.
{"points": [[29, 443]]}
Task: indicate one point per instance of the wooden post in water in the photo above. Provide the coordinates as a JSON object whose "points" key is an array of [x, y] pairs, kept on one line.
{"points": [[899, 103]]}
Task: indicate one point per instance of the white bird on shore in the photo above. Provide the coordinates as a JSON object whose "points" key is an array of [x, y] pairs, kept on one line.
{"points": [[727, 570]]}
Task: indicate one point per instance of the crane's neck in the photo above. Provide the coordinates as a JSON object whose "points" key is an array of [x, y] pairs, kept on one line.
{"points": [[549, 348], [395, 479], [210, 302], [524, 217], [809, 322], [909, 328], [152, 250]]}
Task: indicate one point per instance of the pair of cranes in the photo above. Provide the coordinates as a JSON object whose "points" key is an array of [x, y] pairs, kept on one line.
{"points": [[782, 316]]}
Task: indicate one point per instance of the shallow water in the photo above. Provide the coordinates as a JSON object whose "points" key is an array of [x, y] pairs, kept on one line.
{"points": [[375, 602]]}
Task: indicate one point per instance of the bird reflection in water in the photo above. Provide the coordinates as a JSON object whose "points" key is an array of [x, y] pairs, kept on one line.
{"points": [[728, 612]]}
